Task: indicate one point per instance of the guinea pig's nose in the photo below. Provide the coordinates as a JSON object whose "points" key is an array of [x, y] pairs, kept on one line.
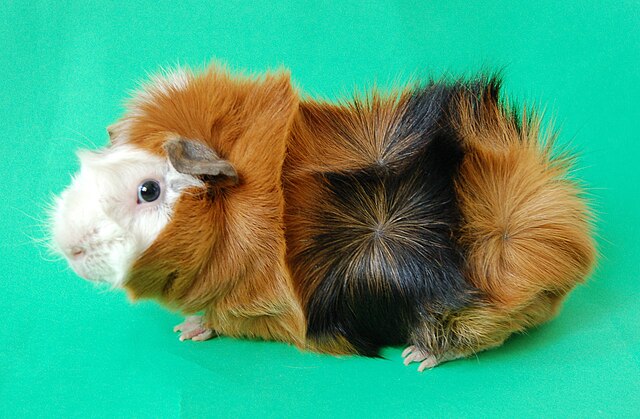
{"points": [[76, 252]]}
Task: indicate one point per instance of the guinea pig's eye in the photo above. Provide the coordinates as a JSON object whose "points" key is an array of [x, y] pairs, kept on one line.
{"points": [[148, 191]]}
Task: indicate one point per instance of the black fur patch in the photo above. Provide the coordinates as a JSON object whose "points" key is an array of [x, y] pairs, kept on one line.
{"points": [[385, 235]]}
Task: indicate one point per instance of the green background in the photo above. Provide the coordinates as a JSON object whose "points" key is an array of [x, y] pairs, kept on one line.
{"points": [[68, 349]]}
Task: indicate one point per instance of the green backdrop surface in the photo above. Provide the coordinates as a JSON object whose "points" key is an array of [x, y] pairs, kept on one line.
{"points": [[68, 349]]}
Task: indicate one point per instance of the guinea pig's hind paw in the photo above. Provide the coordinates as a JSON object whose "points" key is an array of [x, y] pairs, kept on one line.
{"points": [[193, 328], [413, 354]]}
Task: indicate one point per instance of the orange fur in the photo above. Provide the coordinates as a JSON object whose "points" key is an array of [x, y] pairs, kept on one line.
{"points": [[526, 228], [224, 250], [337, 137]]}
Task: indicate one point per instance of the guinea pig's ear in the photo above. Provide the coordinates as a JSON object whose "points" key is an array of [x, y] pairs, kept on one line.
{"points": [[115, 132], [110, 131], [194, 158]]}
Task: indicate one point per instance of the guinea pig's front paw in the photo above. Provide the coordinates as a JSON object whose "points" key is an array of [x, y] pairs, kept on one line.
{"points": [[193, 328], [414, 354]]}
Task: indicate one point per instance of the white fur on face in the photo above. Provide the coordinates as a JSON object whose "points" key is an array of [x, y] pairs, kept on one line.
{"points": [[98, 223]]}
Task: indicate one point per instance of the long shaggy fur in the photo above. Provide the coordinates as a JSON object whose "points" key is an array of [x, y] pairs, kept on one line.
{"points": [[525, 226], [437, 216], [434, 216]]}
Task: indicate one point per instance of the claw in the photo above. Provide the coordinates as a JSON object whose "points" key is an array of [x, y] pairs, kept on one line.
{"points": [[408, 350], [193, 328], [413, 354], [428, 363], [204, 335]]}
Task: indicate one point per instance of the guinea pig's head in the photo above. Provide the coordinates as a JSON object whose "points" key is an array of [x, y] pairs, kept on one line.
{"points": [[149, 211], [121, 200]]}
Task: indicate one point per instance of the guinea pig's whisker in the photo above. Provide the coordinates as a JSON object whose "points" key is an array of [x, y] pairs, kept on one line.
{"points": [[84, 137], [38, 235], [46, 250], [60, 259], [29, 216], [38, 240], [53, 250]]}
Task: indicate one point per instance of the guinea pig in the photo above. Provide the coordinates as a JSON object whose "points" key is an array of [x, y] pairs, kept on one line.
{"points": [[434, 216]]}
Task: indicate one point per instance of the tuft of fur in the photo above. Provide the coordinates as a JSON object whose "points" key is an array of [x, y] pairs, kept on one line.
{"points": [[525, 228], [526, 225]]}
